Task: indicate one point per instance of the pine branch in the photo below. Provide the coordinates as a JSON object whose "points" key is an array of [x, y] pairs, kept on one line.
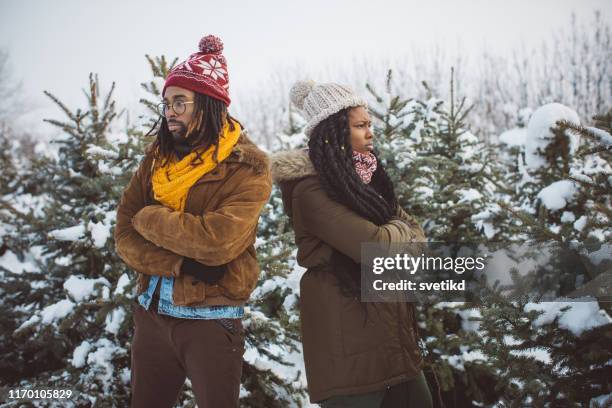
{"points": [[388, 80], [582, 182], [530, 221], [109, 104], [29, 219], [465, 113], [604, 121], [67, 127], [61, 105], [428, 89], [583, 131], [500, 187], [604, 209], [373, 92], [153, 65], [93, 97]]}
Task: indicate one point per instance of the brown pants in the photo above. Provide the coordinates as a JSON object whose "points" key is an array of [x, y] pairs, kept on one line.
{"points": [[166, 350]]}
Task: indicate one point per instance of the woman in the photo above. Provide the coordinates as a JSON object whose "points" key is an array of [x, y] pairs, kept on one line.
{"points": [[338, 195]]}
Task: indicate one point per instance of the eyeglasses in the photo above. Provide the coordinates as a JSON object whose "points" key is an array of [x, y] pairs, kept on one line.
{"points": [[178, 107]]}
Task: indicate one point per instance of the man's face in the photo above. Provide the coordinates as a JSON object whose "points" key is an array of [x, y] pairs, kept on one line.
{"points": [[179, 123]]}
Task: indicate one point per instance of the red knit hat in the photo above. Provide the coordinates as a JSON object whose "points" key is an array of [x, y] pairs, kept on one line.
{"points": [[204, 72]]}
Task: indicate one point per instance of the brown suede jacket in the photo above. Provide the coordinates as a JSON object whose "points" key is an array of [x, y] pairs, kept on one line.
{"points": [[217, 227]]}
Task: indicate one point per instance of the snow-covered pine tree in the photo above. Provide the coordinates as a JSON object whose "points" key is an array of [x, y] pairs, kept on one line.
{"points": [[8, 167], [562, 191], [76, 331], [10, 189], [402, 127], [12, 247], [558, 352], [441, 171]]}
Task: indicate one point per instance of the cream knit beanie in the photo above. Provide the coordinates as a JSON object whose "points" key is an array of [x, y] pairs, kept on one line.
{"points": [[319, 101]]}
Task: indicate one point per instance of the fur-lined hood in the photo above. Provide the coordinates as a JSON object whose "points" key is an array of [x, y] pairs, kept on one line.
{"points": [[291, 165], [288, 168]]}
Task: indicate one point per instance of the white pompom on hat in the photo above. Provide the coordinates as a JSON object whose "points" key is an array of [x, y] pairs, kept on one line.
{"points": [[319, 101]]}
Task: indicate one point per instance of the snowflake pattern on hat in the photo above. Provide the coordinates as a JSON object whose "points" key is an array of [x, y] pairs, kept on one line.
{"points": [[213, 68], [185, 64]]}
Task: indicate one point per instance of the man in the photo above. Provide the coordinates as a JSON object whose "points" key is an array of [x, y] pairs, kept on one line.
{"points": [[186, 223]]}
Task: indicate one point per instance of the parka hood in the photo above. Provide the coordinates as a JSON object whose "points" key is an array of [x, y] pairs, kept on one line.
{"points": [[288, 168]]}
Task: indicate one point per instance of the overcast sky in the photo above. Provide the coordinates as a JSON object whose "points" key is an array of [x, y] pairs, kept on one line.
{"points": [[53, 45]]}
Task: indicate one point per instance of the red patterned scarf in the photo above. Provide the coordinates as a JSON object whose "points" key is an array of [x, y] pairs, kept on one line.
{"points": [[365, 165]]}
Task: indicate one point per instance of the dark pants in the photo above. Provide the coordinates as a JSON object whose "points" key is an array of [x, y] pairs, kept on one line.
{"points": [[411, 394], [166, 350]]}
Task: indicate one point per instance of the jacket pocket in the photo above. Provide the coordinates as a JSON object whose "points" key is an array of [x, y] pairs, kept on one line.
{"points": [[188, 291], [241, 276]]}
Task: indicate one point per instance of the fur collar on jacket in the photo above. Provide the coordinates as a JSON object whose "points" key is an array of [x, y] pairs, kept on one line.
{"points": [[291, 165], [247, 152]]}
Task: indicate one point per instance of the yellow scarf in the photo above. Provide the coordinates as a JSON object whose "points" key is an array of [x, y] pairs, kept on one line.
{"points": [[172, 182]]}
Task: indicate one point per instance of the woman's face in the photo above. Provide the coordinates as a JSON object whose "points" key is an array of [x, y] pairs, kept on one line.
{"points": [[362, 138]]}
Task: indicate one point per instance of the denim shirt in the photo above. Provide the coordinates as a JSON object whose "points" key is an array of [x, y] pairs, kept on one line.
{"points": [[168, 308]]}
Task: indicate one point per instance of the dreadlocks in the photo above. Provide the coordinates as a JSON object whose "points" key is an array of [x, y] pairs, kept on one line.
{"points": [[209, 117]]}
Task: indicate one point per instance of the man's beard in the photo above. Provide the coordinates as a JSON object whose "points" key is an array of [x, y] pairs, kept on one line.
{"points": [[178, 135]]}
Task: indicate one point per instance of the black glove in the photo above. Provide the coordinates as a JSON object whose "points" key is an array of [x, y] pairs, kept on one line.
{"points": [[201, 272]]}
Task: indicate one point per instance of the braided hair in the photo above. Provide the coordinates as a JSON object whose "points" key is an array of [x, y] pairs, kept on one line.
{"points": [[331, 154], [209, 118]]}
